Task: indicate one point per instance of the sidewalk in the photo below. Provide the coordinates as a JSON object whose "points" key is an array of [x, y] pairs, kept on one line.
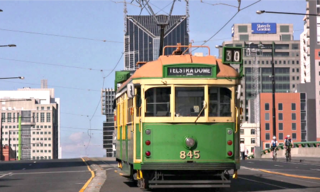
{"points": [[309, 160]]}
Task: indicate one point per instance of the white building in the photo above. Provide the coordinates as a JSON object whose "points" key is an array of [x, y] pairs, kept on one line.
{"points": [[40, 122], [250, 135]]}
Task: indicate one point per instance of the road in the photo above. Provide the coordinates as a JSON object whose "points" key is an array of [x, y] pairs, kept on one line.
{"points": [[251, 178], [71, 175], [67, 175]]}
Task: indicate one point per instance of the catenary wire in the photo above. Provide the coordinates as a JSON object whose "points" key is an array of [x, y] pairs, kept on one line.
{"points": [[53, 64], [65, 36]]}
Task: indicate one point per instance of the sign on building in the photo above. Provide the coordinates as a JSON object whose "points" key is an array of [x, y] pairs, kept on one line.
{"points": [[263, 28]]}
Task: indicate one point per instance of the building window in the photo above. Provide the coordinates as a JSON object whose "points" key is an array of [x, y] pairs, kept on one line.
{"points": [[297, 62], [267, 126], [280, 62], [297, 69], [3, 117], [9, 117], [48, 117], [42, 108], [284, 28], [266, 116], [37, 117], [295, 46], [253, 140], [266, 106], [242, 29], [293, 106], [48, 108], [294, 126], [292, 69], [280, 136], [267, 62], [244, 37], [14, 117], [297, 77], [253, 131], [280, 106], [41, 117], [293, 78], [267, 136], [294, 136], [241, 131], [293, 86], [285, 37], [293, 116], [267, 145], [280, 116]]}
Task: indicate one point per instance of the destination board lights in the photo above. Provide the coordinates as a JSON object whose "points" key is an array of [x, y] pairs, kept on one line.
{"points": [[189, 71]]}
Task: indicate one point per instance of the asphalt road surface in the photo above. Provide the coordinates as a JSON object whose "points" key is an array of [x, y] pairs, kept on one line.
{"points": [[71, 175], [251, 178], [66, 175]]}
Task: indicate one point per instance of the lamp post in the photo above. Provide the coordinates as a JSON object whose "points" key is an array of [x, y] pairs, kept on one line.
{"points": [[9, 45], [287, 13], [273, 90]]}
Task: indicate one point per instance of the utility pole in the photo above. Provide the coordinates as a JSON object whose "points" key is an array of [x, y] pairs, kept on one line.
{"points": [[273, 94]]}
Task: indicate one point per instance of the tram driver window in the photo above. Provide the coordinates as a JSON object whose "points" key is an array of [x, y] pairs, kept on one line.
{"points": [[158, 102], [189, 101], [220, 100]]}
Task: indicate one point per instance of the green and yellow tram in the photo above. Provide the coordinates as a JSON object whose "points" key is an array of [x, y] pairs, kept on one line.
{"points": [[177, 122]]}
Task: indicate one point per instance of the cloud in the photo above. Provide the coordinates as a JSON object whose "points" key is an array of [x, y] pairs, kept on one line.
{"points": [[78, 145]]}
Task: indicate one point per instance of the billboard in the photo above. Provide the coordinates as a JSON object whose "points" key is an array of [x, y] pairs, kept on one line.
{"points": [[264, 28]]}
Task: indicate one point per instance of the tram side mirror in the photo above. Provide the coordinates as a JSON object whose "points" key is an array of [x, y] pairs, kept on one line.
{"points": [[130, 90]]}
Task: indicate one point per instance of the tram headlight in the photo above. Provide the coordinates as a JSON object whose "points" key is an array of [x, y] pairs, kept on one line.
{"points": [[190, 142]]}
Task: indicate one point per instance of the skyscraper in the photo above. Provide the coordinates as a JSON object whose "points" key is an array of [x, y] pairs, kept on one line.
{"points": [[310, 70], [142, 37]]}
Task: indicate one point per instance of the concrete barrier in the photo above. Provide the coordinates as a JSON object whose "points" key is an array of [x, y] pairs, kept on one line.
{"points": [[297, 152]]}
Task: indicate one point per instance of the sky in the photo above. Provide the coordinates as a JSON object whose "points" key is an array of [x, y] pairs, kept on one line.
{"points": [[75, 44]]}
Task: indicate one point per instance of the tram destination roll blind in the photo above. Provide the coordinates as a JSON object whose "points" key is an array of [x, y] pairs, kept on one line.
{"points": [[189, 71]]}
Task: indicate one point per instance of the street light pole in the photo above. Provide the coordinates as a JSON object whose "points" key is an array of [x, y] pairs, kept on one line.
{"points": [[273, 94]]}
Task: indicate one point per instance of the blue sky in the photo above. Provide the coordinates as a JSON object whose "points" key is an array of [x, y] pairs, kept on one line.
{"points": [[95, 21]]}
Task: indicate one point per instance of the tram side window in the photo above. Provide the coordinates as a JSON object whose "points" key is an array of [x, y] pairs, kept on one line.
{"points": [[130, 110], [138, 100], [220, 102], [189, 101], [158, 102]]}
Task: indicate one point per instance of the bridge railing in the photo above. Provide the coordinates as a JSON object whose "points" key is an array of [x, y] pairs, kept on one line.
{"points": [[294, 145]]}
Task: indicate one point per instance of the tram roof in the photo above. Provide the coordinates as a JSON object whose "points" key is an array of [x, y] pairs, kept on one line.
{"points": [[154, 69]]}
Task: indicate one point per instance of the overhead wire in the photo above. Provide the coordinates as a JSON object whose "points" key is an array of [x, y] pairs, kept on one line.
{"points": [[227, 22], [65, 36], [53, 64], [53, 86], [104, 77]]}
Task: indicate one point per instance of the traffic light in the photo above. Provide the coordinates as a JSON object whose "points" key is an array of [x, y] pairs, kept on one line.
{"points": [[232, 55]]}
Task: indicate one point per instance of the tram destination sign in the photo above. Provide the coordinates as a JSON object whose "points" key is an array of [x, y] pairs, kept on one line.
{"points": [[189, 71]]}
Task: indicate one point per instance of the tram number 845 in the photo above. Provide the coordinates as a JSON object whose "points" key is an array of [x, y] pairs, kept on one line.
{"points": [[195, 154]]}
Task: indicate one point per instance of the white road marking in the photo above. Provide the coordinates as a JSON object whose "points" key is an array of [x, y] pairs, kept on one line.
{"points": [[23, 168], [263, 183], [315, 169], [5, 175], [278, 165], [251, 162], [34, 173]]}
